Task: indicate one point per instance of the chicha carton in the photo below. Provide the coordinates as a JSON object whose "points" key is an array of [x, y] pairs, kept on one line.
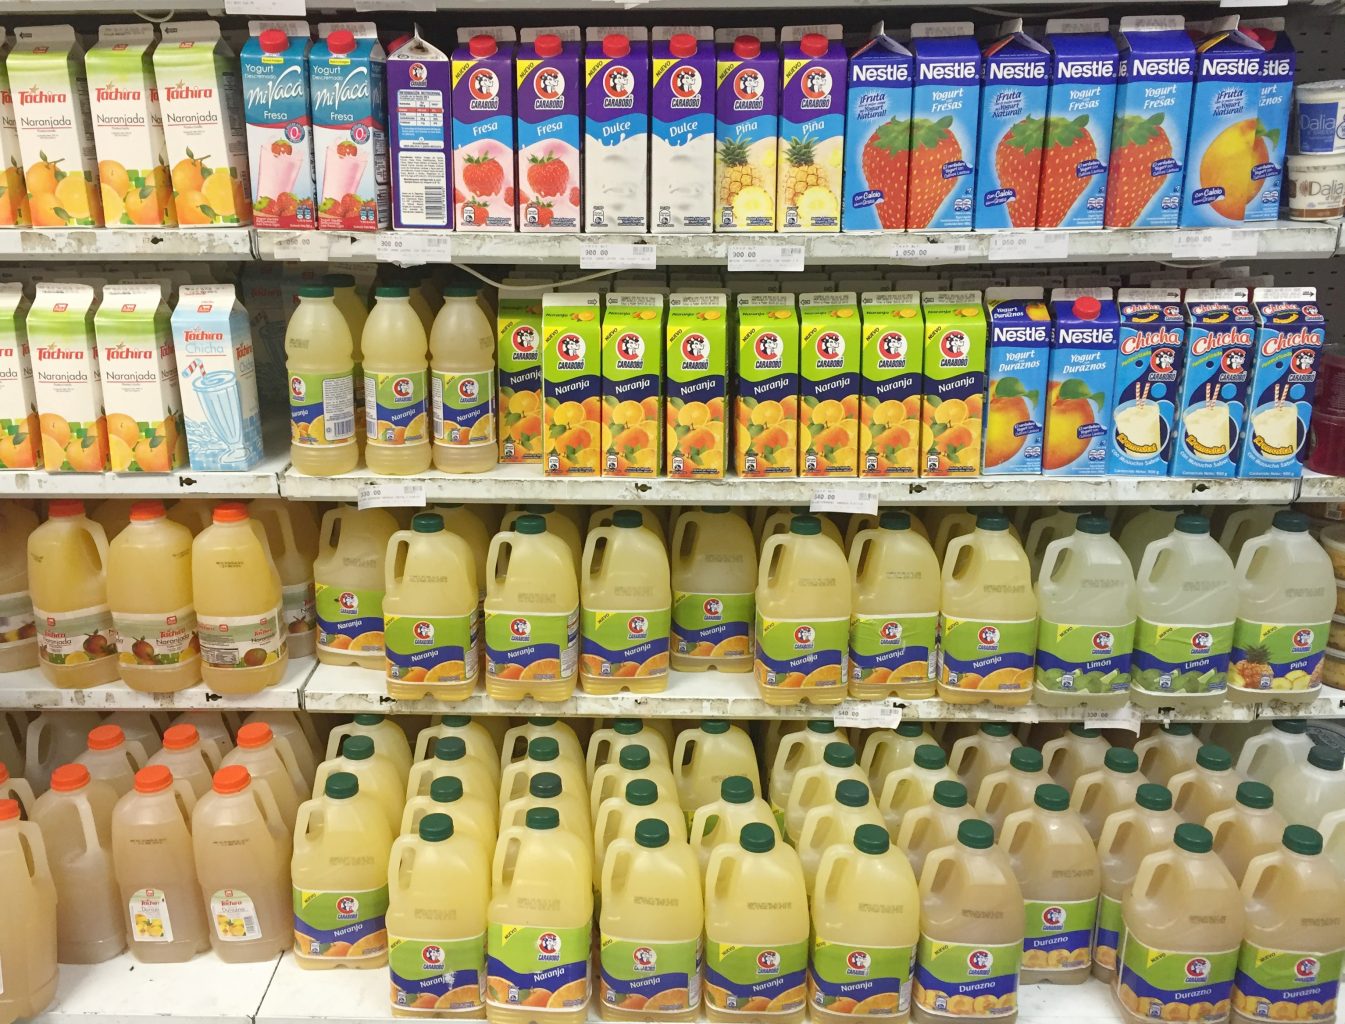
{"points": [[878, 135], [812, 128], [1018, 351], [696, 377], [20, 430], [766, 412], [483, 130], [519, 360], [830, 346], [1082, 379], [572, 383], [1146, 399], [348, 78], [1212, 403], [891, 361], [66, 378], [954, 384], [550, 130], [1290, 333], [632, 379], [682, 130]]}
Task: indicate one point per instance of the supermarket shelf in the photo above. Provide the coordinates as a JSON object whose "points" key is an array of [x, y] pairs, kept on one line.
{"points": [[1330, 705], [262, 480], [113, 243], [1316, 487]]}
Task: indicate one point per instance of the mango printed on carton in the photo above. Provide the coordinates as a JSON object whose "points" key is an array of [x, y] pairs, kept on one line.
{"points": [[954, 383], [892, 357], [829, 368], [518, 323], [632, 377], [571, 383], [696, 376], [767, 411]]}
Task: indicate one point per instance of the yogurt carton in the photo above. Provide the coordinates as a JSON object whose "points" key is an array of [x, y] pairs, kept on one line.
{"points": [[1290, 333], [767, 409], [747, 128], [420, 83], [1213, 399], [278, 108], [572, 383], [616, 126], [632, 384], [66, 378], [128, 129], [1153, 110], [483, 130], [1018, 358], [20, 429], [217, 375], [519, 361], [1013, 125], [348, 76], [1082, 382], [954, 388], [550, 103], [1273, 109], [682, 131], [945, 110], [829, 369], [891, 358], [696, 376], [877, 135], [1078, 124], [812, 128], [13, 192], [1147, 397]]}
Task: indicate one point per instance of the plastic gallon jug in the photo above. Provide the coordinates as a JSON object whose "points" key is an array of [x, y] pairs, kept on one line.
{"points": [[462, 361], [377, 775], [720, 821], [1281, 743], [1308, 792], [52, 739], [886, 750], [858, 522], [293, 538], [797, 751], [28, 947], [394, 350], [18, 648], [477, 739], [349, 578], [619, 814], [320, 361], [298, 729], [934, 825], [632, 763], [144, 727], [112, 758], [714, 578], [388, 737], [514, 746], [948, 526], [987, 750], [451, 758], [562, 521], [649, 519], [544, 756], [1239, 525], [1069, 757], [606, 744], [1049, 528], [816, 784], [1166, 751], [1148, 526], [704, 757], [779, 521], [270, 760], [1251, 827], [1011, 789], [1099, 794], [907, 788], [834, 822], [13, 788], [1209, 786], [472, 815], [187, 757]]}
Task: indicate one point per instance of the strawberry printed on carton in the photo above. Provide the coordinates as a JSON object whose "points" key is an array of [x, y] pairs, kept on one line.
{"points": [[484, 190], [945, 110], [550, 132], [348, 72], [277, 105], [878, 135], [1013, 124]]}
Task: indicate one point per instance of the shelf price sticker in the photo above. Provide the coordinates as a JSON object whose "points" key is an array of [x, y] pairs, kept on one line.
{"points": [[1120, 718], [396, 5], [933, 250], [412, 248], [868, 714], [749, 256], [845, 499], [392, 494], [1213, 243], [618, 256], [270, 8], [1028, 246], [303, 245]]}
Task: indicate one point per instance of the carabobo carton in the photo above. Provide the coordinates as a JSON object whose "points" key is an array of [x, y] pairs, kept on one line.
{"points": [[829, 368], [571, 383], [1290, 332], [954, 388], [696, 377], [767, 412], [890, 383], [1147, 398]]}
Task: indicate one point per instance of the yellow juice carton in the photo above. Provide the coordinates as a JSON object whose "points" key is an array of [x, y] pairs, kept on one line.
{"points": [[571, 383], [890, 381], [20, 433], [13, 192], [954, 388], [66, 379], [829, 361], [51, 114], [632, 384], [767, 410], [518, 326], [696, 376]]}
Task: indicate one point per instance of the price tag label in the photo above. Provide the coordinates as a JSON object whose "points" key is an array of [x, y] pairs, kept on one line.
{"points": [[1027, 246], [1027, 713], [845, 499], [411, 248], [1213, 243], [1121, 718], [396, 5], [303, 245], [392, 494], [618, 256], [746, 256], [934, 250], [269, 8], [867, 714]]}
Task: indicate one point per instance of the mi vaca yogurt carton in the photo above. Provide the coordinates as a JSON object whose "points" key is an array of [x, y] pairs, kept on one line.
{"points": [[632, 384], [1019, 351], [1081, 383], [348, 73], [812, 128], [66, 378], [550, 101], [696, 367], [419, 143], [878, 135], [20, 429], [278, 109], [1013, 124], [616, 126], [1147, 397], [954, 383], [483, 130], [747, 128], [891, 359], [945, 111], [1290, 333], [682, 130], [829, 369], [1213, 401]]}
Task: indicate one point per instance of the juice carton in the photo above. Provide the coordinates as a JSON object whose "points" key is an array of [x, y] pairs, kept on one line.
{"points": [[348, 78], [1073, 191], [632, 378], [20, 429], [140, 389], [571, 383], [945, 110], [830, 347], [1277, 87], [954, 377], [1212, 403], [483, 129], [278, 107], [1082, 379], [878, 135], [202, 104], [696, 376], [891, 359], [1013, 128], [14, 197], [128, 129], [420, 82], [616, 126], [550, 102], [1147, 397], [217, 374], [518, 324], [747, 128], [682, 130], [812, 128], [66, 380], [1153, 111], [1290, 332], [1018, 353], [767, 412], [51, 114]]}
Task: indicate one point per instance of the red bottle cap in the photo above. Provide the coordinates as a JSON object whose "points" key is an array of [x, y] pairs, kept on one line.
{"points": [[615, 45], [548, 45], [1087, 308], [273, 41], [154, 779], [482, 46], [63, 508], [69, 777], [253, 735], [814, 44], [682, 45], [341, 41], [232, 778], [229, 512], [180, 737], [8, 809], [106, 737], [746, 47], [147, 511]]}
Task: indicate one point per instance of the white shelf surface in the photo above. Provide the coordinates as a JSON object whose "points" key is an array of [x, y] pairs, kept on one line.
{"points": [[1316, 487], [262, 480], [119, 243]]}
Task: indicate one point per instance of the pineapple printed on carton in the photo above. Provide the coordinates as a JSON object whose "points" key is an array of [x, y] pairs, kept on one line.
{"points": [[812, 128], [747, 121], [767, 411], [14, 210]]}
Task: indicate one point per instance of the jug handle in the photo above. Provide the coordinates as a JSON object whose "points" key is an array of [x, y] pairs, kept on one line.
{"points": [[1248, 552], [875, 742], [765, 565], [286, 754], [1144, 878], [801, 794], [1114, 831], [686, 740], [325, 769], [962, 750], [600, 838], [940, 861], [31, 836], [135, 754], [335, 739], [186, 800], [618, 853], [99, 536], [1150, 557], [212, 754], [826, 868], [402, 850], [602, 535], [506, 854], [987, 798], [395, 559], [684, 526], [812, 824], [782, 752], [327, 532], [1014, 825], [1180, 788], [857, 546], [719, 866], [1254, 745], [304, 817], [698, 821], [1328, 826], [500, 540], [1084, 795], [266, 803], [893, 788], [424, 738], [1219, 823], [32, 747], [596, 746], [1050, 557], [951, 553], [87, 825], [1048, 756], [1260, 870], [912, 829]]}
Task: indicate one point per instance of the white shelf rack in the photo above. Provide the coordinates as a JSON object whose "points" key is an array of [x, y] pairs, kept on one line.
{"points": [[263, 480], [118, 243], [1316, 487]]}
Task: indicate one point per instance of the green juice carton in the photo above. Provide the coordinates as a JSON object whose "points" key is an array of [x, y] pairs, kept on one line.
{"points": [[632, 384], [954, 383], [571, 383], [20, 433], [890, 382], [696, 377], [767, 410], [829, 369], [518, 333]]}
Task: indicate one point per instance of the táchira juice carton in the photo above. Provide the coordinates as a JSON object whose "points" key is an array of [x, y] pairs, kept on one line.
{"points": [[1082, 381], [1018, 354], [830, 347], [632, 384], [483, 130], [348, 78], [518, 323], [1290, 333], [766, 413], [890, 383], [616, 126], [66, 378], [550, 129], [1147, 397], [572, 383], [419, 84], [51, 114], [1212, 404], [278, 107], [953, 398], [877, 135], [1277, 87], [747, 128], [945, 111], [696, 368], [13, 193], [203, 125], [128, 129], [140, 387], [812, 128], [682, 129], [1013, 127], [20, 429]]}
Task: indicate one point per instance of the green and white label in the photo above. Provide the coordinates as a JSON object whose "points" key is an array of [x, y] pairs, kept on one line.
{"points": [[625, 643], [981, 654], [148, 640], [1181, 658], [1277, 656], [532, 645], [434, 975], [1058, 934], [888, 648], [1166, 984], [240, 641], [656, 977], [464, 408], [712, 625], [396, 408], [75, 637], [1110, 929], [1278, 985], [806, 653], [430, 648], [343, 925], [17, 625], [756, 978], [349, 620], [322, 409], [537, 967], [864, 980], [969, 981], [1084, 659]]}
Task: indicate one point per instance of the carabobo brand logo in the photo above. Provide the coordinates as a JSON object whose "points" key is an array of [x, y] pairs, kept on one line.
{"points": [[1102, 642], [297, 388], [768, 962], [349, 603], [1307, 969], [1197, 970], [423, 631], [858, 962], [520, 629], [548, 946], [468, 389], [432, 957], [645, 958], [979, 962], [804, 637], [987, 638], [402, 387], [1053, 919], [637, 627], [347, 908], [713, 609], [1201, 642]]}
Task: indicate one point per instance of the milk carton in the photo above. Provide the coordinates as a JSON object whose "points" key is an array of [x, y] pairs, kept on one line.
{"points": [[217, 375], [128, 129], [550, 102], [572, 383], [1153, 111], [279, 111], [1273, 107], [13, 192], [140, 388], [20, 429], [66, 378], [891, 359], [1019, 353], [483, 130], [1013, 123], [51, 114], [877, 135], [767, 410], [632, 384], [1082, 382], [954, 385], [830, 346], [945, 110], [616, 125], [682, 130], [696, 376], [747, 128], [1213, 399], [419, 83], [1073, 190], [1290, 333], [348, 78], [812, 128], [519, 361], [1147, 398]]}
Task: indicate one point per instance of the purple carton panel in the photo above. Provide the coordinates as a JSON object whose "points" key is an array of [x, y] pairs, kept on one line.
{"points": [[420, 82], [682, 130], [550, 98], [483, 131]]}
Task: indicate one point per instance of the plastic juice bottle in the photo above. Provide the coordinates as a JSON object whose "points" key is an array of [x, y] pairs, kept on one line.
{"points": [[270, 759], [189, 759], [1150, 525], [989, 626], [474, 815], [540, 919], [152, 857], [853, 932], [377, 775], [1183, 929], [1167, 751], [619, 814], [1251, 827], [833, 822], [1011, 789], [239, 604], [1099, 794], [475, 737], [627, 608], [905, 789], [438, 894], [514, 747], [543, 756], [16, 604], [987, 750], [394, 350], [886, 750], [452, 758], [532, 614], [1069, 757], [1308, 792], [714, 573], [297, 729], [75, 817], [320, 361], [29, 946], [703, 758], [815, 785], [1057, 867], [1283, 743], [861, 521], [968, 958], [145, 727], [67, 579], [242, 852], [802, 616], [951, 524], [721, 820], [934, 825], [462, 364], [349, 577], [388, 736], [606, 516], [112, 758], [558, 521], [632, 763], [1286, 597], [52, 739], [112, 515], [293, 549], [12, 788], [797, 751], [779, 522], [1047, 529], [341, 846], [605, 745], [1209, 786], [1242, 524]]}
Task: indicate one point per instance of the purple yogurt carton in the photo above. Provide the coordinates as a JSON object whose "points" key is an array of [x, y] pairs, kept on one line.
{"points": [[483, 130], [682, 129], [812, 128], [420, 82], [616, 131], [550, 98], [877, 135], [1013, 125], [747, 128]]}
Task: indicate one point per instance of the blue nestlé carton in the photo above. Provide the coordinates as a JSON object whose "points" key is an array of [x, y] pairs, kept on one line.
{"points": [[945, 110], [877, 136], [1082, 379], [1013, 126], [1147, 396], [1018, 351]]}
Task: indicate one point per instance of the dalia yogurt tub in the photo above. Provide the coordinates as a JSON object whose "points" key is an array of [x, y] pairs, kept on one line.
{"points": [[1316, 186]]}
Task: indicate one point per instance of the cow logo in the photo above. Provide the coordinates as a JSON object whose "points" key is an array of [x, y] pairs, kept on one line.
{"points": [[954, 346], [1053, 919], [804, 637], [830, 346], [630, 346], [484, 85], [979, 962], [987, 638], [1201, 642], [423, 631], [768, 962], [468, 389], [769, 348], [549, 83], [402, 388], [524, 341], [570, 348], [298, 389], [432, 958], [1162, 360], [520, 629], [548, 946], [618, 82], [1234, 361], [695, 348], [816, 83], [347, 908], [858, 962], [1197, 970], [637, 627], [644, 958], [713, 609], [417, 73], [892, 346], [1307, 969], [686, 83], [749, 86], [1103, 640], [349, 603], [1303, 640]]}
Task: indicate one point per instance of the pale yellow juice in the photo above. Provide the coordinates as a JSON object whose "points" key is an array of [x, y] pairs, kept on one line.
{"points": [[714, 572], [395, 380], [319, 357]]}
